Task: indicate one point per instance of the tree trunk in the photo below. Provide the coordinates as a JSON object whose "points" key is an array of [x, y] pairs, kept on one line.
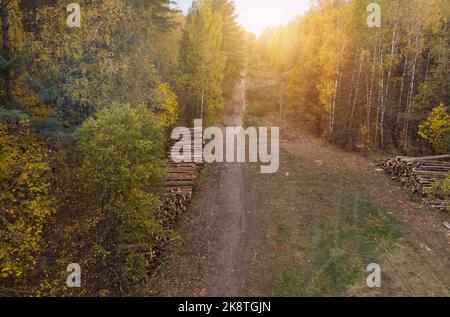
{"points": [[6, 49], [355, 100], [370, 95], [385, 98], [381, 90], [334, 96], [410, 94], [281, 96], [399, 106], [428, 65], [355, 66], [202, 101]]}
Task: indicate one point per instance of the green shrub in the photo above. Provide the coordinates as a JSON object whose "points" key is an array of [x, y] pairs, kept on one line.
{"points": [[436, 129], [123, 153], [441, 189], [47, 127], [12, 116]]}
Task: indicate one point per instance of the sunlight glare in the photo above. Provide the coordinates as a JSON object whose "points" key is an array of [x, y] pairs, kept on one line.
{"points": [[256, 15]]}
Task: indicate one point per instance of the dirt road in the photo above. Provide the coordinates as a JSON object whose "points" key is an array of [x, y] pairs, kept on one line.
{"points": [[309, 230], [207, 260]]}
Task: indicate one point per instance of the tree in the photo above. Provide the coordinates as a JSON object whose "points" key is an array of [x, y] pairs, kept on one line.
{"points": [[436, 129], [6, 51], [123, 153], [111, 58], [233, 44], [11, 48], [362, 82], [165, 105], [26, 209], [203, 61]]}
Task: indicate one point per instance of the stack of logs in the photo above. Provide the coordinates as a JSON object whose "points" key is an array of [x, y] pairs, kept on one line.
{"points": [[178, 187], [419, 174], [181, 176]]}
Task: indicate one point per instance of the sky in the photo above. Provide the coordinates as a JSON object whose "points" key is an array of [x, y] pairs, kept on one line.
{"points": [[256, 15]]}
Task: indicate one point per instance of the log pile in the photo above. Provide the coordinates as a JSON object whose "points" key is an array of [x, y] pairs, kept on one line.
{"points": [[418, 174], [178, 187], [180, 179], [174, 206]]}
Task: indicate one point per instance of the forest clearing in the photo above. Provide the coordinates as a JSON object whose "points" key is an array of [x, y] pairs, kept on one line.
{"points": [[284, 237], [216, 148]]}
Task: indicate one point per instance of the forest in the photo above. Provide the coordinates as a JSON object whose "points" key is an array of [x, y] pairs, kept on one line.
{"points": [[84, 117], [86, 112], [364, 87]]}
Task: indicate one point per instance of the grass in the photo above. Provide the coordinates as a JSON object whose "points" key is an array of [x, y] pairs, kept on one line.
{"points": [[317, 228], [201, 177]]}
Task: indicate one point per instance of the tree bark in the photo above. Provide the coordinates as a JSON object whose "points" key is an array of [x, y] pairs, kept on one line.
{"points": [[381, 90], [6, 50], [410, 94], [385, 97], [334, 96], [370, 95], [399, 106], [202, 101], [281, 96], [355, 100]]}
